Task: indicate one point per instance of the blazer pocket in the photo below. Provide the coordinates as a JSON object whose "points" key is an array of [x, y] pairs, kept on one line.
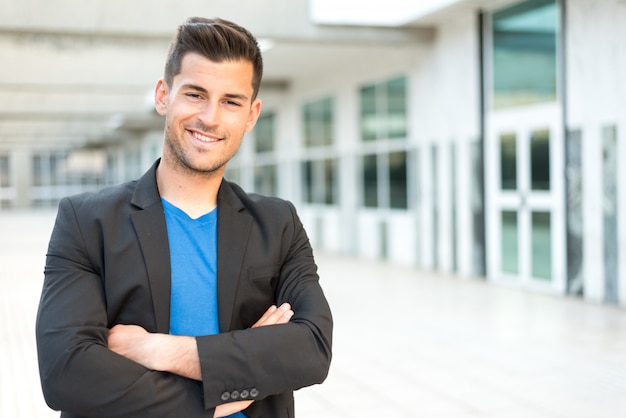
{"points": [[265, 277]]}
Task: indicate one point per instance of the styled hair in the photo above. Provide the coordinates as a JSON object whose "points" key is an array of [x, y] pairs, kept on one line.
{"points": [[218, 40]]}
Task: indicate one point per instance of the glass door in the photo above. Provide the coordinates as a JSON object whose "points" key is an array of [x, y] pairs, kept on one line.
{"points": [[524, 146], [525, 222]]}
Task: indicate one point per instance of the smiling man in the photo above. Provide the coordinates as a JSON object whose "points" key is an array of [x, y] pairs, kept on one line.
{"points": [[180, 295]]}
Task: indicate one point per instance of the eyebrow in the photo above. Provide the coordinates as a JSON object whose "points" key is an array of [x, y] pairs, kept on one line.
{"points": [[203, 90]]}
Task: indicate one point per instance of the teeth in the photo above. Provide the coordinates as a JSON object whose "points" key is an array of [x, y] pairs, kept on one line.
{"points": [[203, 137]]}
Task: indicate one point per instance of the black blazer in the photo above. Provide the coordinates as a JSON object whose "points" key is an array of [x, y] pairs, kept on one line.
{"points": [[108, 263]]}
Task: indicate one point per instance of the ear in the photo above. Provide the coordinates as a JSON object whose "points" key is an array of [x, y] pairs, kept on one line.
{"points": [[255, 111], [161, 92]]}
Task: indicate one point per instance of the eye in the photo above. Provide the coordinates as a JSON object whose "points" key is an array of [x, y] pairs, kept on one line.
{"points": [[193, 95]]}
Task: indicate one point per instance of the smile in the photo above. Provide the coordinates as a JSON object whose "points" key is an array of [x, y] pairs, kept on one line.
{"points": [[204, 138]]}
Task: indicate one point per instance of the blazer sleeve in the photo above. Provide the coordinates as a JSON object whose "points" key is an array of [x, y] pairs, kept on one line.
{"points": [[271, 360], [79, 374]]}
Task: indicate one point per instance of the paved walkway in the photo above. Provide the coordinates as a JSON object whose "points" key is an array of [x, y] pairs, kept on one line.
{"points": [[407, 343]]}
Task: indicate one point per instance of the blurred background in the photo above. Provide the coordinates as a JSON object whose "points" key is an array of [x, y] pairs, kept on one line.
{"points": [[469, 138], [478, 137]]}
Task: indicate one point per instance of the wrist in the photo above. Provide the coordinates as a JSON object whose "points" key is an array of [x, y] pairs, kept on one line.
{"points": [[176, 354]]}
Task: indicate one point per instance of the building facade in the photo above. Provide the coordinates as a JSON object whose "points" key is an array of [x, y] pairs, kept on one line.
{"points": [[489, 152]]}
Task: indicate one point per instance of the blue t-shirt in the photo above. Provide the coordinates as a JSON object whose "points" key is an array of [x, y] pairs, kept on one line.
{"points": [[193, 258]]}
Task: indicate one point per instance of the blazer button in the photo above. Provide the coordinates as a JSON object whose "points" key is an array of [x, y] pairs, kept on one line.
{"points": [[234, 394], [244, 394], [254, 392], [225, 396]]}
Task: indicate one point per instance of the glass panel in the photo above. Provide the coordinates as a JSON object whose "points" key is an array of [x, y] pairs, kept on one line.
{"points": [[509, 242], [453, 201], [307, 179], [318, 123], [524, 53], [574, 214], [434, 153], [38, 175], [370, 181], [327, 121], [330, 168], [610, 213], [540, 160], [265, 179], [264, 133], [508, 162], [541, 246], [369, 120], [307, 116], [4, 171], [397, 180], [396, 108], [478, 210]]}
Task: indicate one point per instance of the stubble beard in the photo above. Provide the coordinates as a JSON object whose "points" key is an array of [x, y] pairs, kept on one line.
{"points": [[181, 160]]}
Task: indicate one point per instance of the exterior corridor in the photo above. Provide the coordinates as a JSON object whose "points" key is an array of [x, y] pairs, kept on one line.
{"points": [[408, 343]]}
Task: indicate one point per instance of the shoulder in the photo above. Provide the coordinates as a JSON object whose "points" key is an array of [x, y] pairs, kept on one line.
{"points": [[255, 202], [104, 199], [109, 207]]}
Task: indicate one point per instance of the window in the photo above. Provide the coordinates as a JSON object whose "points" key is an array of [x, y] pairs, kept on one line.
{"points": [[508, 162], [49, 168], [540, 160], [265, 170], [384, 180], [318, 123], [265, 179], [525, 53], [264, 134], [541, 241], [397, 180], [370, 181], [319, 170], [4, 171], [509, 241], [319, 178], [383, 110]]}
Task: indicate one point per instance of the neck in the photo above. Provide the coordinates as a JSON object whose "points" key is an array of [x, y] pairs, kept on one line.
{"points": [[193, 193]]}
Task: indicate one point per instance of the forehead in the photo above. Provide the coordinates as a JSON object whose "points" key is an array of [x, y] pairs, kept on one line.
{"points": [[229, 75]]}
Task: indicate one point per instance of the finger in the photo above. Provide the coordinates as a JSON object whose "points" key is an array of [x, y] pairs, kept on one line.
{"points": [[266, 315], [282, 315]]}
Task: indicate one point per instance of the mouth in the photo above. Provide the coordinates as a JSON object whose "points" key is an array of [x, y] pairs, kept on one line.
{"points": [[208, 139]]}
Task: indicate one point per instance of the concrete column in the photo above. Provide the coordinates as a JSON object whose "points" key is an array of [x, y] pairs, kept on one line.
{"points": [[22, 176]]}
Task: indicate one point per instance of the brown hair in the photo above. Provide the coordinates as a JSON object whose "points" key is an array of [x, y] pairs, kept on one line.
{"points": [[218, 40]]}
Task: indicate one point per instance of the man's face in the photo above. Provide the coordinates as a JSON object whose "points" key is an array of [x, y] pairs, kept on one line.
{"points": [[207, 110]]}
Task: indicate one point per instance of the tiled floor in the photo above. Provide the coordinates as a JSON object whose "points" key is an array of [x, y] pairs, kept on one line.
{"points": [[407, 343]]}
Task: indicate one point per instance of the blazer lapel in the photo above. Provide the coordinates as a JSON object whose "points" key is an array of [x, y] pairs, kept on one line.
{"points": [[151, 232], [233, 228]]}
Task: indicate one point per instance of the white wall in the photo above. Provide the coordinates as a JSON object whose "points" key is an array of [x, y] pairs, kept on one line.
{"points": [[596, 97], [446, 110], [443, 82]]}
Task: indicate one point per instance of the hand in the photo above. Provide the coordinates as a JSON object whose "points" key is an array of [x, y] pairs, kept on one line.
{"points": [[230, 408], [178, 354], [132, 342], [275, 316]]}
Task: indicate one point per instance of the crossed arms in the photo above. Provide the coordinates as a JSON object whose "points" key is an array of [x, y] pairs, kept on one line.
{"points": [[179, 354], [91, 287]]}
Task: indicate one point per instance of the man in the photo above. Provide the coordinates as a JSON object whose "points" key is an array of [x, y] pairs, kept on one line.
{"points": [[179, 294]]}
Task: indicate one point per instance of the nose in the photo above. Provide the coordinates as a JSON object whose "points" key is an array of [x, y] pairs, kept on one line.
{"points": [[209, 115]]}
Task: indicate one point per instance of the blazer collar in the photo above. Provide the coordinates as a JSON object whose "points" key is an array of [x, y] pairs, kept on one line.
{"points": [[233, 228], [146, 191], [149, 223]]}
